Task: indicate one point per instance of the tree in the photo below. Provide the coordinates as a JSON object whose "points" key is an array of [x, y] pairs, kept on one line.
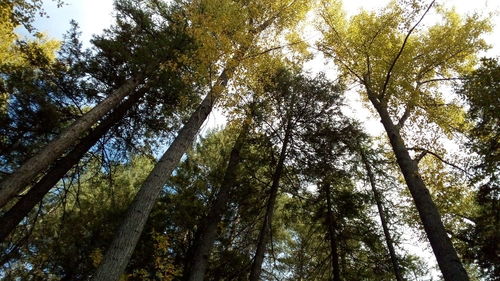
{"points": [[161, 95], [295, 101], [383, 218], [137, 47], [481, 90], [394, 64], [257, 19]]}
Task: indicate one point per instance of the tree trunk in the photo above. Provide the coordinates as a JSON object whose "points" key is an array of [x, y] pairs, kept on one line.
{"points": [[129, 232], [127, 235], [383, 220], [14, 183], [268, 217], [22, 207], [332, 225], [447, 258], [207, 234]]}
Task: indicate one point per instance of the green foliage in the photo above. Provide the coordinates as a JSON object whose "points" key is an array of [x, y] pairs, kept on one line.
{"points": [[76, 222], [481, 90], [180, 48]]}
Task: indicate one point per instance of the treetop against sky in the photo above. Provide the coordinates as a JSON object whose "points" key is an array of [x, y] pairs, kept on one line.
{"points": [[95, 15]]}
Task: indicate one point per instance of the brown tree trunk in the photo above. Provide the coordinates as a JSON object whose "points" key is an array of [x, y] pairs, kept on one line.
{"points": [[268, 217], [207, 234], [383, 220], [447, 258], [127, 235], [332, 225], [22, 207], [129, 232], [14, 183]]}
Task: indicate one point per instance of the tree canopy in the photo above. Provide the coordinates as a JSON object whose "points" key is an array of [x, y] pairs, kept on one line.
{"points": [[107, 171]]}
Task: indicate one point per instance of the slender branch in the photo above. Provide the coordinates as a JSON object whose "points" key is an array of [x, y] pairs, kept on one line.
{"points": [[440, 79], [426, 151], [389, 72], [405, 117], [273, 49], [420, 156]]}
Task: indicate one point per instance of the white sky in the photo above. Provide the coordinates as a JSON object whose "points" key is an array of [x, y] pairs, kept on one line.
{"points": [[95, 15]]}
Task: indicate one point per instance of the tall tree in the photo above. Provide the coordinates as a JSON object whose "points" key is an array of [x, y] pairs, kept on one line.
{"points": [[206, 17], [161, 95], [332, 233], [134, 47], [295, 101], [383, 217], [481, 90], [399, 69], [265, 230], [207, 233]]}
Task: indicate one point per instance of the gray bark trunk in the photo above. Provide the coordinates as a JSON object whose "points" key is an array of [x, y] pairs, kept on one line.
{"points": [[268, 217], [127, 235], [17, 181], [447, 258], [332, 225], [129, 232], [22, 207], [383, 220], [208, 232]]}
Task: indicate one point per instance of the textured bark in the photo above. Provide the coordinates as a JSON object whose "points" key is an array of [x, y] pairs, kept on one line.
{"points": [[130, 230], [268, 217], [447, 258], [22, 207], [332, 225], [383, 220], [207, 234], [14, 183]]}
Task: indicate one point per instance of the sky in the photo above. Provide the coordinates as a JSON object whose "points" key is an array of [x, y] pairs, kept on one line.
{"points": [[95, 15]]}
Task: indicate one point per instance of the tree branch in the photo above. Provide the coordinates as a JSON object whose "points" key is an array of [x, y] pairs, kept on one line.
{"points": [[426, 151], [389, 72], [405, 117]]}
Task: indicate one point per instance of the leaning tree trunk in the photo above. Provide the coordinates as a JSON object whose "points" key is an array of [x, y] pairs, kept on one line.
{"points": [[447, 258], [268, 217], [332, 225], [14, 183], [207, 234], [130, 230], [127, 235], [383, 220], [22, 207]]}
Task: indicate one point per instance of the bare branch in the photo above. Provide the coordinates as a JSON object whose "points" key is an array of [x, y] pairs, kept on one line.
{"points": [[440, 79], [389, 72], [426, 151], [273, 49], [405, 117], [420, 156]]}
